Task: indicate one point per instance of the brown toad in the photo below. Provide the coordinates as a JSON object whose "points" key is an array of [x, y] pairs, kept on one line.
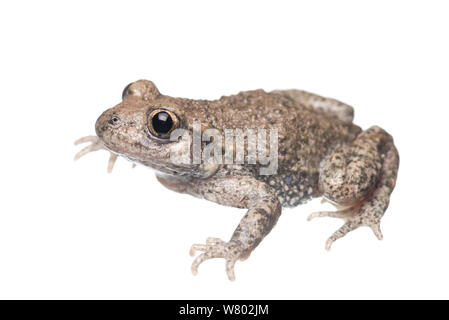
{"points": [[320, 153]]}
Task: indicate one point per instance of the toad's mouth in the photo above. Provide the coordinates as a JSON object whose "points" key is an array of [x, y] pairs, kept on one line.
{"points": [[138, 154]]}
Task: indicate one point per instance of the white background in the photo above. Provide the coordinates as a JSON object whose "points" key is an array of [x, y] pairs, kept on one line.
{"points": [[70, 230]]}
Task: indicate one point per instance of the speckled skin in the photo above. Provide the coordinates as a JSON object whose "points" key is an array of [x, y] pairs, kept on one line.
{"points": [[321, 154]]}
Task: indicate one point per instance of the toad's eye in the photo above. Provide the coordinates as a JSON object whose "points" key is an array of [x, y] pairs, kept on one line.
{"points": [[126, 91], [162, 122]]}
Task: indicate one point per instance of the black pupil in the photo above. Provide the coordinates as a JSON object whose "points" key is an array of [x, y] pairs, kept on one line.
{"points": [[162, 123], [125, 91]]}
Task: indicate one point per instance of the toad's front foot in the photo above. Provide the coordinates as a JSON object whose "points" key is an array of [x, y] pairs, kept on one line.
{"points": [[95, 145], [217, 248]]}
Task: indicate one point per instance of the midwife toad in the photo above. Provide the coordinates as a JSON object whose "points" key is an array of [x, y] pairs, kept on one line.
{"points": [[321, 153]]}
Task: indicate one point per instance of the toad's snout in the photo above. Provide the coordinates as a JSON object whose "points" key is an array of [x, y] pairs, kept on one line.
{"points": [[108, 120], [100, 127]]}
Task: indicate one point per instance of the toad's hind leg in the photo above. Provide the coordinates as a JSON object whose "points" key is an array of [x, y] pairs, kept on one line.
{"points": [[361, 178]]}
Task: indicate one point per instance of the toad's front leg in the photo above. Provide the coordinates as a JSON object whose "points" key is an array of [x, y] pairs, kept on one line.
{"points": [[264, 211]]}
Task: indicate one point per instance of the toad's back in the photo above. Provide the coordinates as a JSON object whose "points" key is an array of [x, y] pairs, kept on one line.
{"points": [[307, 131]]}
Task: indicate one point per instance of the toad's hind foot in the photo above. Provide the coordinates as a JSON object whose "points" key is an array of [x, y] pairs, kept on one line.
{"points": [[95, 145], [217, 248], [354, 217], [360, 177]]}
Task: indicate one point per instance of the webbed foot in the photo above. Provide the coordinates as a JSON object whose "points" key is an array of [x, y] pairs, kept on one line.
{"points": [[354, 217]]}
